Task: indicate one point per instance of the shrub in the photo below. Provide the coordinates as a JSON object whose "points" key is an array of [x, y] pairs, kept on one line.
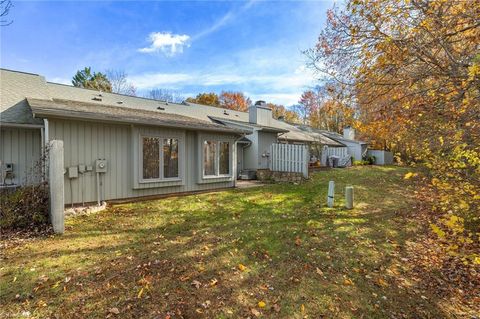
{"points": [[24, 208], [361, 163]]}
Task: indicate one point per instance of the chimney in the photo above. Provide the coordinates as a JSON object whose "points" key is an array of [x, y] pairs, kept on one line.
{"points": [[349, 132], [260, 114]]}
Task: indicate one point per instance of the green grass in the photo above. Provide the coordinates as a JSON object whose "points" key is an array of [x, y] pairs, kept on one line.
{"points": [[142, 258]]}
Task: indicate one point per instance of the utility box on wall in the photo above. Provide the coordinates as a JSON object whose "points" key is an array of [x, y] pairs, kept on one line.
{"points": [[101, 166]]}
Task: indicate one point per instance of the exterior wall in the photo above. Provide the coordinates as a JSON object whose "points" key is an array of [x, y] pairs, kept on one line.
{"points": [[84, 142], [355, 150], [250, 153], [22, 147], [381, 157], [265, 140]]}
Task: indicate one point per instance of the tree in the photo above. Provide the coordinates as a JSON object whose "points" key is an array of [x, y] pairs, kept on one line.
{"points": [[205, 99], [413, 70], [281, 112], [120, 84], [330, 109], [234, 101], [165, 95], [88, 80], [5, 6]]}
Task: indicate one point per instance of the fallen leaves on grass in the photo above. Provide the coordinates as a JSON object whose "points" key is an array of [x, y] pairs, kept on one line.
{"points": [[261, 304], [242, 267]]}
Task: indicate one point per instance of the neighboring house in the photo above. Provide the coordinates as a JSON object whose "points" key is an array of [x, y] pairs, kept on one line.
{"points": [[355, 148]]}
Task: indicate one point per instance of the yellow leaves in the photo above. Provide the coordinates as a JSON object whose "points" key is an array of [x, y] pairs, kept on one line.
{"points": [[261, 304], [381, 282], [473, 71], [476, 260], [140, 293], [410, 175], [440, 233], [348, 282], [242, 267]]}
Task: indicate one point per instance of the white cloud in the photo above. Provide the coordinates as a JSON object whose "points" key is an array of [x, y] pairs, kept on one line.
{"points": [[168, 43]]}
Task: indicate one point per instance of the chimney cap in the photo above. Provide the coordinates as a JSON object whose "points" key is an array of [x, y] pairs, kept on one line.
{"points": [[260, 103]]}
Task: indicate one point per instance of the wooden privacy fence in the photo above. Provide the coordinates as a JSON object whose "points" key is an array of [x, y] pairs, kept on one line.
{"points": [[289, 158]]}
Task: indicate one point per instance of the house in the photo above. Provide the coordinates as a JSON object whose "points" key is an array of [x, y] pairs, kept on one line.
{"points": [[144, 147], [141, 149]]}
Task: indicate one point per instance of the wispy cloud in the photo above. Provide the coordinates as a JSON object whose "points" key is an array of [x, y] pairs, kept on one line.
{"points": [[274, 82], [166, 42], [228, 17]]}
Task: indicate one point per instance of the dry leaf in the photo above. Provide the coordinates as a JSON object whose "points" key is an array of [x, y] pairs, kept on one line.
{"points": [[276, 308], [261, 304], [242, 267], [347, 282], [319, 271], [114, 310], [298, 241], [382, 282], [197, 284], [255, 312]]}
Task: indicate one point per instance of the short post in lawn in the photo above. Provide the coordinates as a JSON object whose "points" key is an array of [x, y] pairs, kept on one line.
{"points": [[331, 192], [349, 197]]}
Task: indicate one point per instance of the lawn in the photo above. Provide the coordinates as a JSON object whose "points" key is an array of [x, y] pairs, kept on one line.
{"points": [[274, 251]]}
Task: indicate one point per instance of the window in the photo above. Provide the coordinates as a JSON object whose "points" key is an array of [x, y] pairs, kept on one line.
{"points": [[216, 158], [224, 158], [158, 152], [151, 158], [170, 158], [209, 158]]}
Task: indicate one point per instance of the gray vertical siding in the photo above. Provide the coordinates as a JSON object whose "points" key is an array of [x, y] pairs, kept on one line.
{"points": [[265, 140], [85, 142], [22, 147]]}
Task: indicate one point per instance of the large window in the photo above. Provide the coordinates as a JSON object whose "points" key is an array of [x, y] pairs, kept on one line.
{"points": [[216, 158], [170, 158], [151, 158], [224, 158], [209, 158], [158, 152]]}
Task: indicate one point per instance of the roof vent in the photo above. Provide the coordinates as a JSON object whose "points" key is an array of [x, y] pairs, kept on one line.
{"points": [[161, 108], [95, 98], [100, 94], [225, 112], [260, 103], [120, 102]]}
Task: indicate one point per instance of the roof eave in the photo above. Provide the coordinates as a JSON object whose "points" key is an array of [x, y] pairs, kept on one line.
{"points": [[87, 116]]}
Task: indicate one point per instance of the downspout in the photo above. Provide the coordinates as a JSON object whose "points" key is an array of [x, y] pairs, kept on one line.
{"points": [[45, 138], [234, 171]]}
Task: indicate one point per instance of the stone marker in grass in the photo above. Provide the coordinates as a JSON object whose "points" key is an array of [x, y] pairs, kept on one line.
{"points": [[331, 192], [349, 197]]}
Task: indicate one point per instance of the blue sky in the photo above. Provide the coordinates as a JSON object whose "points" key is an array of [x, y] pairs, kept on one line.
{"points": [[201, 46]]}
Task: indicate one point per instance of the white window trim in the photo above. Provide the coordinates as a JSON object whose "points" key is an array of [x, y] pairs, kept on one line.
{"points": [[217, 159], [161, 179]]}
